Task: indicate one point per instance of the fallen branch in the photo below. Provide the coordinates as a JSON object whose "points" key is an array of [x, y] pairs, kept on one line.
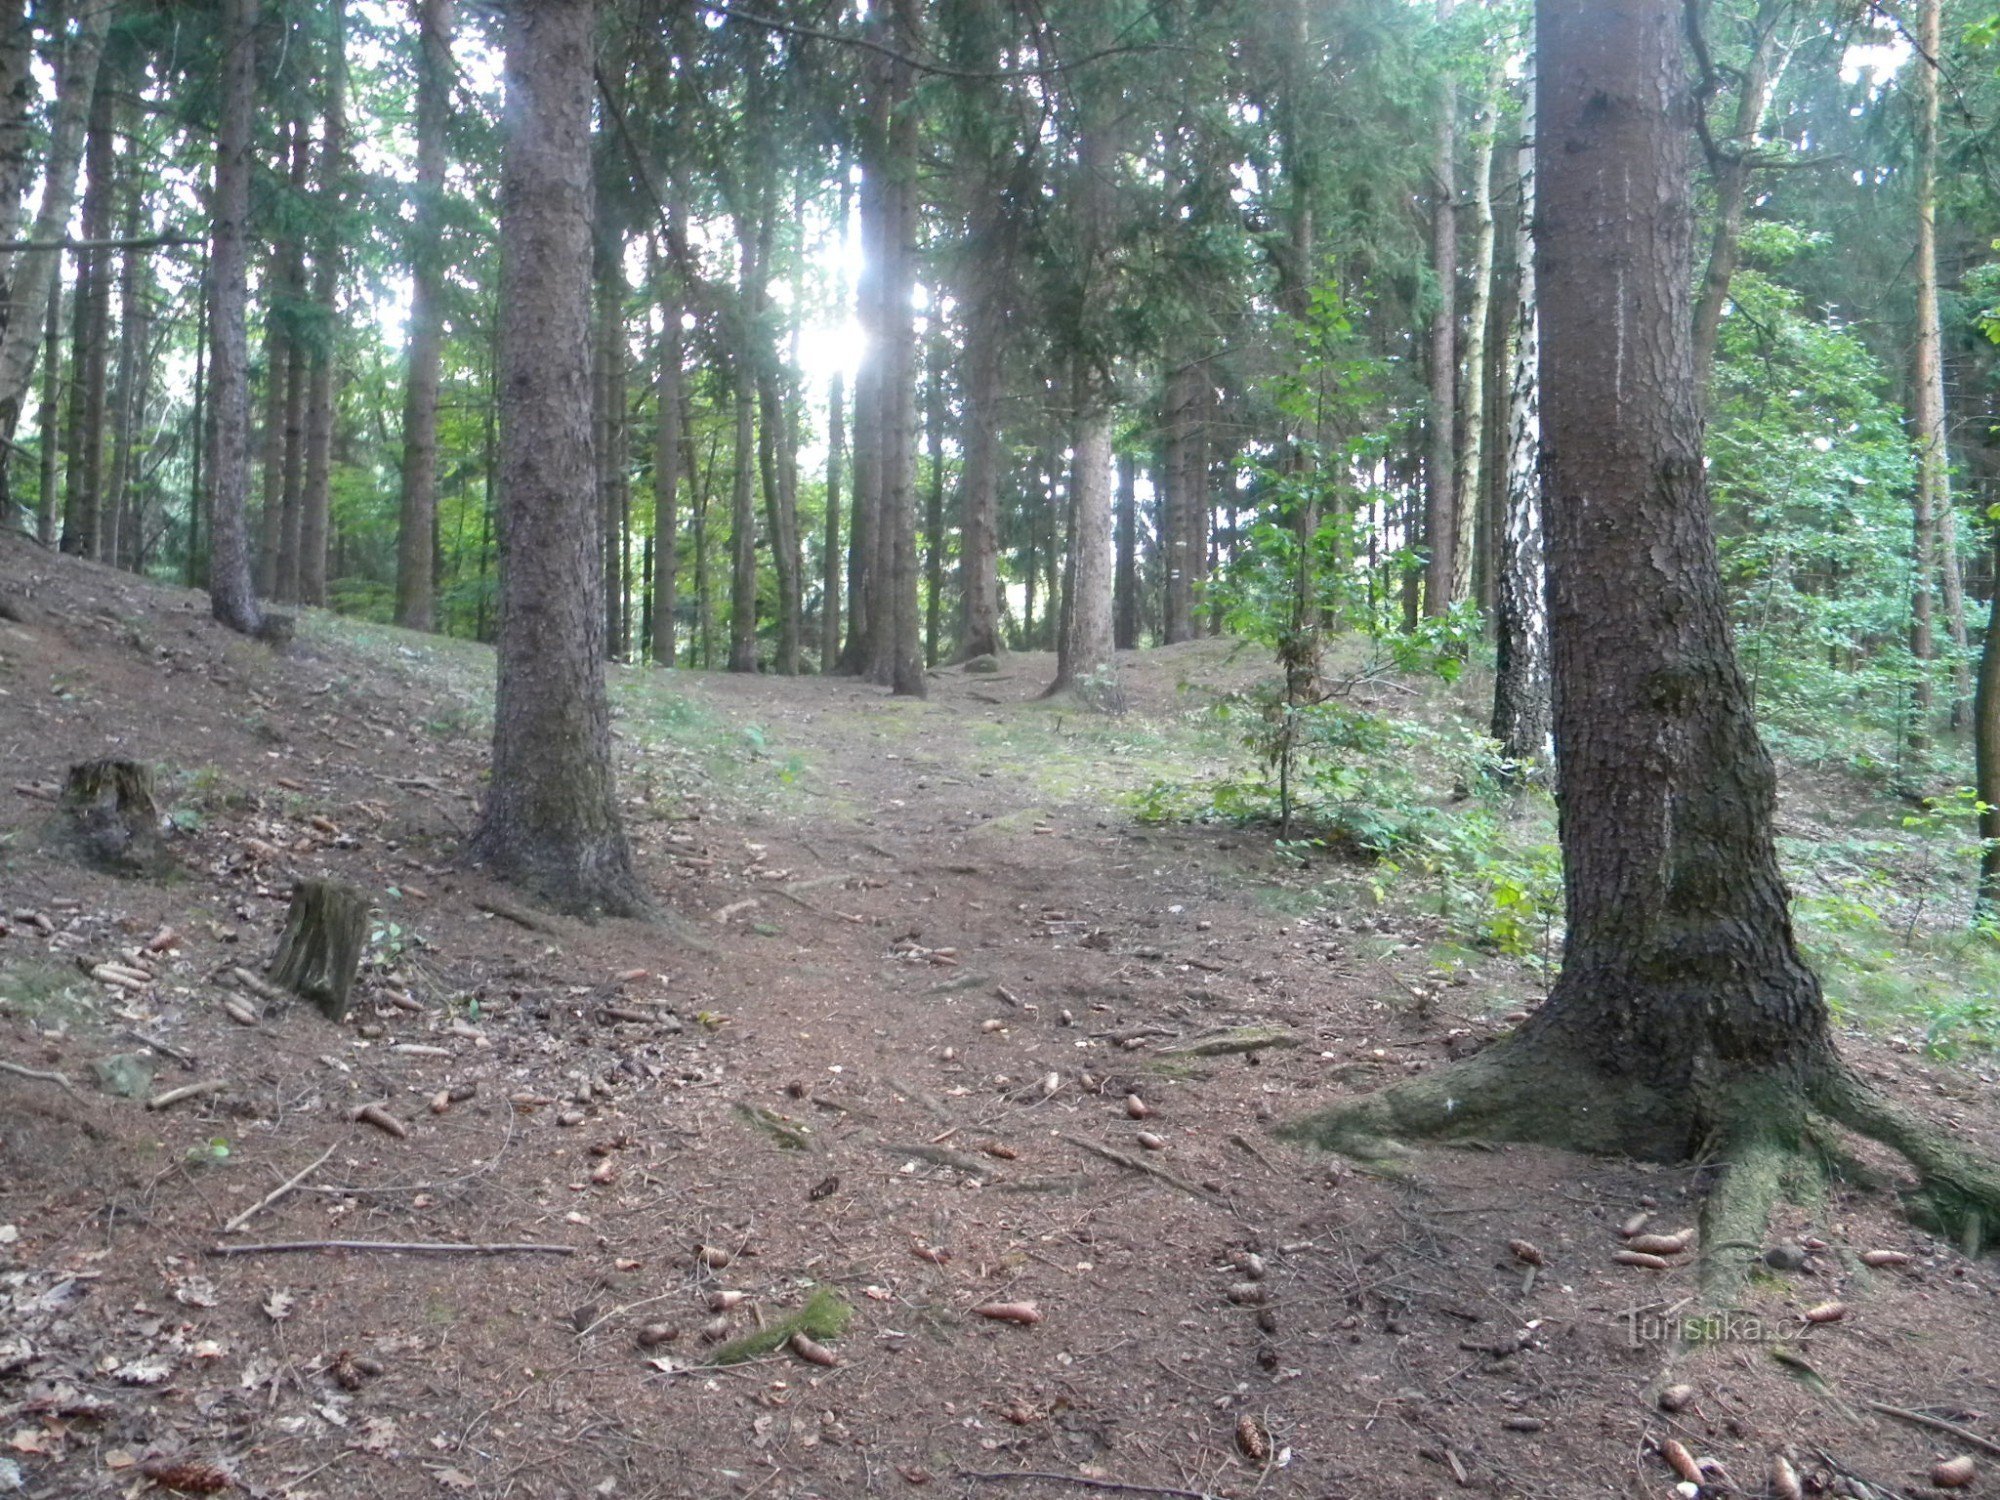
{"points": [[520, 916], [418, 1247], [1936, 1424], [1114, 1486], [1134, 1164], [39, 1075], [180, 1095], [290, 1183]]}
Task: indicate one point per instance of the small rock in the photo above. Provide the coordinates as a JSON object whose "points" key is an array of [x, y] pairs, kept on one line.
{"points": [[1786, 1257], [1954, 1473]]}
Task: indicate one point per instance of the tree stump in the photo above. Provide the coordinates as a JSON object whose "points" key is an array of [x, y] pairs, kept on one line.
{"points": [[321, 946], [114, 817]]}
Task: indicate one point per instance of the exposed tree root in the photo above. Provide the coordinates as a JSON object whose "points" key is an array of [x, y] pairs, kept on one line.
{"points": [[1773, 1137]]}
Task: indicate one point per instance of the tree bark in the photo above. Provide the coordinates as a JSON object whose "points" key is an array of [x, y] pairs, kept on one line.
{"points": [[935, 405], [742, 494], [836, 457], [1521, 707], [1087, 665], [900, 662], [1472, 430], [415, 605], [1125, 583], [982, 288], [17, 101], [297, 361], [666, 476], [777, 461], [232, 597], [50, 499], [551, 821], [84, 519], [1440, 493], [36, 272], [316, 515]]}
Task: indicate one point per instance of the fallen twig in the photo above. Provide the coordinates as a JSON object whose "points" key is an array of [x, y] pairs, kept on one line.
{"points": [[1115, 1486], [39, 1075], [1133, 1163], [520, 916], [180, 1095], [1936, 1424], [237, 1223], [416, 1247]]}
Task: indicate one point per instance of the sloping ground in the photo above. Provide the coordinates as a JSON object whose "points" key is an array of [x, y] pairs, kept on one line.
{"points": [[912, 963]]}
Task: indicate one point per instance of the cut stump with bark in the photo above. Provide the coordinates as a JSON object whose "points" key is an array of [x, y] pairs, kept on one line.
{"points": [[114, 816], [321, 946]]}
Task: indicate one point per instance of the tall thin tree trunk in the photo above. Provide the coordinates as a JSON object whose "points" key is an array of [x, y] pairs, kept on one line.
{"points": [[777, 463], [979, 436], [666, 474], [17, 101], [1441, 496], [1932, 497], [899, 647], [121, 542], [316, 515], [1125, 582], [551, 819], [1472, 430], [415, 604], [291, 516], [1521, 706], [38, 272], [232, 598], [51, 496], [742, 494], [1732, 185], [830, 556], [84, 518], [934, 414]]}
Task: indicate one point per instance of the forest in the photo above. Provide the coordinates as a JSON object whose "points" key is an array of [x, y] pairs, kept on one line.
{"points": [[914, 686]]}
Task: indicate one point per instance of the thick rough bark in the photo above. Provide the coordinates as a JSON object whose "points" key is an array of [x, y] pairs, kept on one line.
{"points": [[114, 817], [17, 99], [232, 598], [899, 661], [319, 951], [551, 819], [1684, 1018], [982, 289], [1440, 492], [415, 606], [1521, 706], [1086, 666]]}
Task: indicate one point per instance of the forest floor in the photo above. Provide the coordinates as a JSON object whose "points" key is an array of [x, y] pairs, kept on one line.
{"points": [[913, 958]]}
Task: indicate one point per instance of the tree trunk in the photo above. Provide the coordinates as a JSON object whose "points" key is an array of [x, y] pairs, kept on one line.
{"points": [[50, 498], [1521, 706], [777, 462], [37, 272], [666, 477], [1086, 665], [122, 540], [836, 456], [1440, 534], [292, 493], [982, 291], [85, 519], [900, 663], [415, 604], [742, 494], [865, 521], [277, 364], [1125, 582], [1986, 757], [319, 951], [934, 414], [232, 598], [613, 479], [316, 514], [17, 102], [551, 819], [1177, 504], [1732, 185], [1472, 430]]}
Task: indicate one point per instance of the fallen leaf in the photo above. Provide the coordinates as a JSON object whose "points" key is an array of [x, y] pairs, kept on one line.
{"points": [[453, 1479], [278, 1306], [152, 1371]]}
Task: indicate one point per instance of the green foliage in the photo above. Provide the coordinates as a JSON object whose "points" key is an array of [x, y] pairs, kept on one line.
{"points": [[824, 1317], [1811, 474]]}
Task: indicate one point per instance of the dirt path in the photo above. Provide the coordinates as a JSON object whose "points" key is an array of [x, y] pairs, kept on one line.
{"points": [[915, 960]]}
